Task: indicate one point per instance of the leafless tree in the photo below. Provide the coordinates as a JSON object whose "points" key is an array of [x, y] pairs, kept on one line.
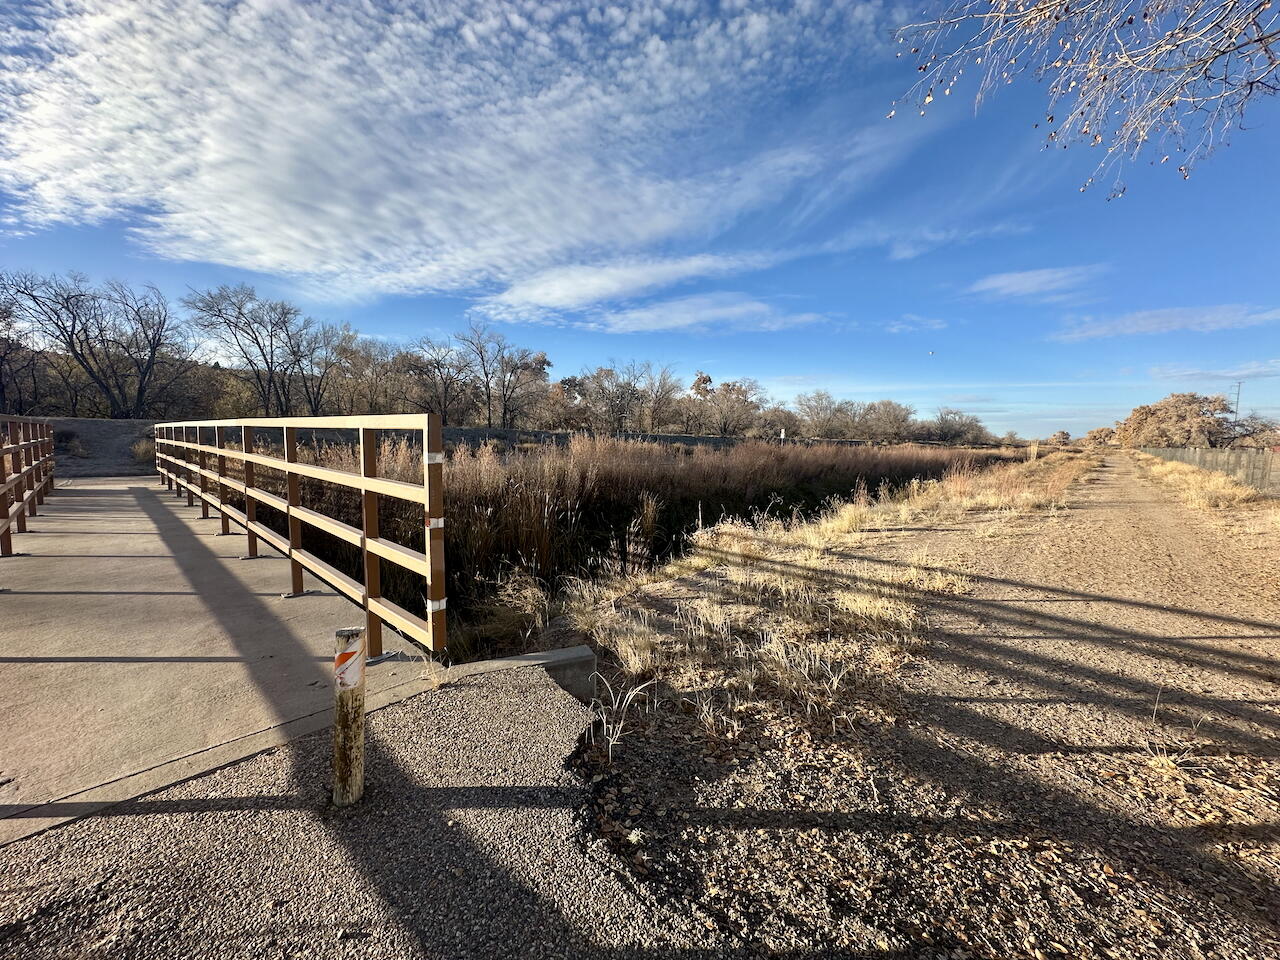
{"points": [[445, 377], [260, 338], [888, 421], [316, 359], [127, 342], [660, 388], [1121, 74], [510, 379], [611, 397]]}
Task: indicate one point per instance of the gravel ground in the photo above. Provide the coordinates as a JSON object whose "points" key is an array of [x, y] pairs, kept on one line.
{"points": [[1080, 762], [467, 844]]}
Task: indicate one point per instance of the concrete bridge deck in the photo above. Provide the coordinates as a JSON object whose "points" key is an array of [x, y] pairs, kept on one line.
{"points": [[138, 649]]}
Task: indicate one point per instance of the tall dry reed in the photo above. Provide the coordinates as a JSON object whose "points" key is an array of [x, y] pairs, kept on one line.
{"points": [[595, 506]]}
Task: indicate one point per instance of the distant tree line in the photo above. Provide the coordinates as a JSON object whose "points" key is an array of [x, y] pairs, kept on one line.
{"points": [[69, 347]]}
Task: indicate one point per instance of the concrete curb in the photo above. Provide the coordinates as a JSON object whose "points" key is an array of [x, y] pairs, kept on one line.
{"points": [[572, 668]]}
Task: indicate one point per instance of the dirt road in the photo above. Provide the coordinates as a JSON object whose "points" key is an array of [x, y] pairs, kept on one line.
{"points": [[1108, 693], [1079, 759]]}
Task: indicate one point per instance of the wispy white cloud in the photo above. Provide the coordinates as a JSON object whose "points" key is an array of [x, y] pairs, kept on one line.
{"points": [[722, 311], [1050, 284], [577, 286], [465, 147], [1254, 370], [912, 323], [908, 242], [1194, 319]]}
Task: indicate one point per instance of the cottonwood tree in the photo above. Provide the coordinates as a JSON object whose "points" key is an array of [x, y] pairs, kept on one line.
{"points": [[126, 341], [259, 337], [1193, 420], [1179, 420], [956, 427], [889, 421], [510, 379], [660, 389], [445, 379], [611, 397], [316, 352], [1060, 439], [824, 416], [729, 409], [1121, 74], [1099, 437]]}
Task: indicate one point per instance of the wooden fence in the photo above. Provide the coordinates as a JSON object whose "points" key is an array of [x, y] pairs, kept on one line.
{"points": [[26, 475], [193, 456]]}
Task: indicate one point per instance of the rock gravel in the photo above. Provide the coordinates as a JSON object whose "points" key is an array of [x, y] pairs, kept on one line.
{"points": [[467, 844]]}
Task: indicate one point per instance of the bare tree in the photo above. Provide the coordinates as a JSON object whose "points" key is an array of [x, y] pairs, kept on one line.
{"points": [[510, 379], [1121, 74], [445, 379], [126, 341], [611, 397], [660, 388], [316, 359], [888, 421], [824, 416], [260, 338]]}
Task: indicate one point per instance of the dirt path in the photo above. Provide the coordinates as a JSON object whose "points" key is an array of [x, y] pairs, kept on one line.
{"points": [[1080, 759], [1111, 683]]}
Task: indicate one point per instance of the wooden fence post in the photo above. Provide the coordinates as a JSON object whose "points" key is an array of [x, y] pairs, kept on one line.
{"points": [[202, 462], [433, 545], [220, 441], [369, 525], [37, 455], [187, 471], [19, 488], [250, 505], [6, 535], [293, 489], [348, 716], [29, 455]]}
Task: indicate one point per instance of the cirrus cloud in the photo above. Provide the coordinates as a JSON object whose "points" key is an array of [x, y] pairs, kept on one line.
{"points": [[371, 148], [1168, 320]]}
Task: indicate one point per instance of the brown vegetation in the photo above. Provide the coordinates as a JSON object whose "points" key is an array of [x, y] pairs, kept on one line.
{"points": [[521, 525]]}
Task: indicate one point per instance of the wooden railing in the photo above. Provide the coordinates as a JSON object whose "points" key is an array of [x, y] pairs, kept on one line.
{"points": [[193, 456], [26, 474]]}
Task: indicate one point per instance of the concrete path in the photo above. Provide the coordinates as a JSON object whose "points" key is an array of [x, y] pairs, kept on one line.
{"points": [[137, 649]]}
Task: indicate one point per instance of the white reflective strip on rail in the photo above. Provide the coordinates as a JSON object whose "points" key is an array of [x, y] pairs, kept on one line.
{"points": [[436, 523], [435, 458], [434, 606]]}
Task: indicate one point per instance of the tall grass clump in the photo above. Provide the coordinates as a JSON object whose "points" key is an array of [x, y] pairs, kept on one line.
{"points": [[517, 524], [1197, 487]]}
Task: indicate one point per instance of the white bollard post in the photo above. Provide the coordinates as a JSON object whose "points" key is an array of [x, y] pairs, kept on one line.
{"points": [[348, 716]]}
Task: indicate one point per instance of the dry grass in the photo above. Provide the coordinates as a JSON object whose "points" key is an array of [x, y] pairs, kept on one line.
{"points": [[1197, 487], [143, 450], [523, 525], [776, 616]]}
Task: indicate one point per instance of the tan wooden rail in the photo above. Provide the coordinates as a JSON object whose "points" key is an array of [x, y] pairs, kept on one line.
{"points": [[193, 456], [26, 474]]}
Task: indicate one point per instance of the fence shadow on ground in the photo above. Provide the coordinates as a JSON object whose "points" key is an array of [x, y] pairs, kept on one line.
{"points": [[413, 897]]}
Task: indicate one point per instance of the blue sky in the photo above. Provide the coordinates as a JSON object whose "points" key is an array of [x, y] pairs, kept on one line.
{"points": [[711, 186]]}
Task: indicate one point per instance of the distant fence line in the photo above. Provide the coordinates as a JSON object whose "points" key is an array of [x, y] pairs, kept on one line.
{"points": [[192, 456], [1255, 466], [26, 474]]}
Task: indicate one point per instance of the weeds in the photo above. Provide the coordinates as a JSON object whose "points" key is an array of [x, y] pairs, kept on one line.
{"points": [[612, 711], [1197, 487]]}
